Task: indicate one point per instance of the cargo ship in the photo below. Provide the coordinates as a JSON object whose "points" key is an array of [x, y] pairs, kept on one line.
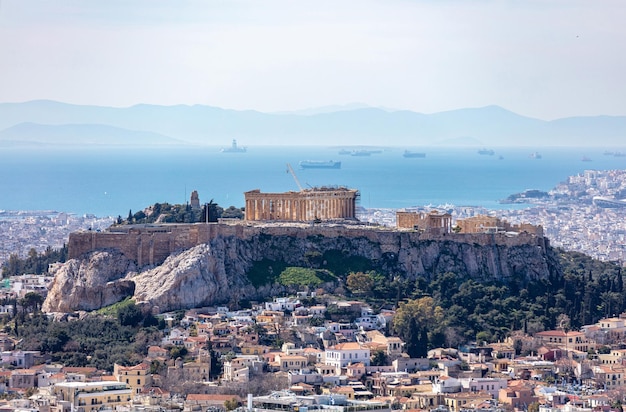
{"points": [[320, 164], [408, 153], [234, 148]]}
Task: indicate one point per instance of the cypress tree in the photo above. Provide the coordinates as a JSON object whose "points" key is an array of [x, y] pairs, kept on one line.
{"points": [[423, 343], [413, 339]]}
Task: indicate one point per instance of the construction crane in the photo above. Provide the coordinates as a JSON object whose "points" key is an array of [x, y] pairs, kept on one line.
{"points": [[316, 219], [290, 170]]}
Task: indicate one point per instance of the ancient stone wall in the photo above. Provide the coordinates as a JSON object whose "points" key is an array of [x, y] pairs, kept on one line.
{"points": [[152, 244]]}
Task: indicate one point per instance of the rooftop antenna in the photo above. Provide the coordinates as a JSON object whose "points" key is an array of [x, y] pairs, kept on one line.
{"points": [[290, 170]]}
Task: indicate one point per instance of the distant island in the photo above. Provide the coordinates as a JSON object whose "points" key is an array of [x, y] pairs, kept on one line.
{"points": [[525, 196]]}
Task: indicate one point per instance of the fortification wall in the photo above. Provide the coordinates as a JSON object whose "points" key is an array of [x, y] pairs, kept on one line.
{"points": [[152, 244]]}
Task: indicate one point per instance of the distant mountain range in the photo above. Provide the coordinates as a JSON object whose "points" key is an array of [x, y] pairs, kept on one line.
{"points": [[55, 123], [80, 134]]}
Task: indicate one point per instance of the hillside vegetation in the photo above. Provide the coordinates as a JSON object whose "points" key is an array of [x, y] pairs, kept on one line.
{"points": [[445, 309], [177, 213]]}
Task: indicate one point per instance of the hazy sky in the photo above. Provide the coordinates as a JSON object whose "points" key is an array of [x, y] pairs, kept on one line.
{"points": [[540, 58]]}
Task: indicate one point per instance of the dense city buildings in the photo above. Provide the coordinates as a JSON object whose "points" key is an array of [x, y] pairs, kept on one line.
{"points": [[23, 231], [358, 368]]}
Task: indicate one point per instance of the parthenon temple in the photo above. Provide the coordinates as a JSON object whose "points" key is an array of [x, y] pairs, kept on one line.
{"points": [[322, 203]]}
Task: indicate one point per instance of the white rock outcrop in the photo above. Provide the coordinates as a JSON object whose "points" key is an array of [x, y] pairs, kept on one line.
{"points": [[189, 279], [92, 283]]}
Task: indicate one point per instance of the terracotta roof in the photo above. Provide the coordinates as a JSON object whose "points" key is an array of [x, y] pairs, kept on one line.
{"points": [[196, 339], [346, 346], [139, 367], [154, 391], [108, 378]]}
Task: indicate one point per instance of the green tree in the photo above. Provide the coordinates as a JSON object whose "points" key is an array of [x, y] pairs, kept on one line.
{"points": [[231, 404], [139, 217], [178, 352], [129, 315], [416, 338], [483, 336], [13, 266], [31, 302], [379, 358], [423, 310], [360, 283], [232, 212], [156, 367]]}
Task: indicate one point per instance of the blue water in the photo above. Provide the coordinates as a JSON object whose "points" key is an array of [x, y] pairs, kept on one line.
{"points": [[112, 181]]}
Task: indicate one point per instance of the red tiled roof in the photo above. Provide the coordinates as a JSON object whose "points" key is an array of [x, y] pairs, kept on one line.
{"points": [[108, 378], [139, 367], [346, 346]]}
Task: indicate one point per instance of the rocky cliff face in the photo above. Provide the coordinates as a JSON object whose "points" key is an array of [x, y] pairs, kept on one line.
{"points": [[90, 283], [216, 272]]}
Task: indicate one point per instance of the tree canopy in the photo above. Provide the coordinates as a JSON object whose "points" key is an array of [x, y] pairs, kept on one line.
{"points": [[177, 213]]}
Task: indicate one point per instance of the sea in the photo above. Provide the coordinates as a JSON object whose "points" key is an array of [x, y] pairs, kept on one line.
{"points": [[111, 181]]}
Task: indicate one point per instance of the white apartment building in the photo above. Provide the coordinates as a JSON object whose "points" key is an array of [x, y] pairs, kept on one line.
{"points": [[343, 354]]}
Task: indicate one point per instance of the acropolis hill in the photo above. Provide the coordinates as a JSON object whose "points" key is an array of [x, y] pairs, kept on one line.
{"points": [[175, 266]]}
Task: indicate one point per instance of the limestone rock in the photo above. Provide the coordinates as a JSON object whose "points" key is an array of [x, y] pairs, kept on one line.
{"points": [[195, 277], [90, 283]]}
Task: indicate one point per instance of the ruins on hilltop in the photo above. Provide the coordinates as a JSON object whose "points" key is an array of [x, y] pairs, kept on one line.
{"points": [[492, 224], [323, 203], [439, 223], [433, 222], [291, 214]]}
